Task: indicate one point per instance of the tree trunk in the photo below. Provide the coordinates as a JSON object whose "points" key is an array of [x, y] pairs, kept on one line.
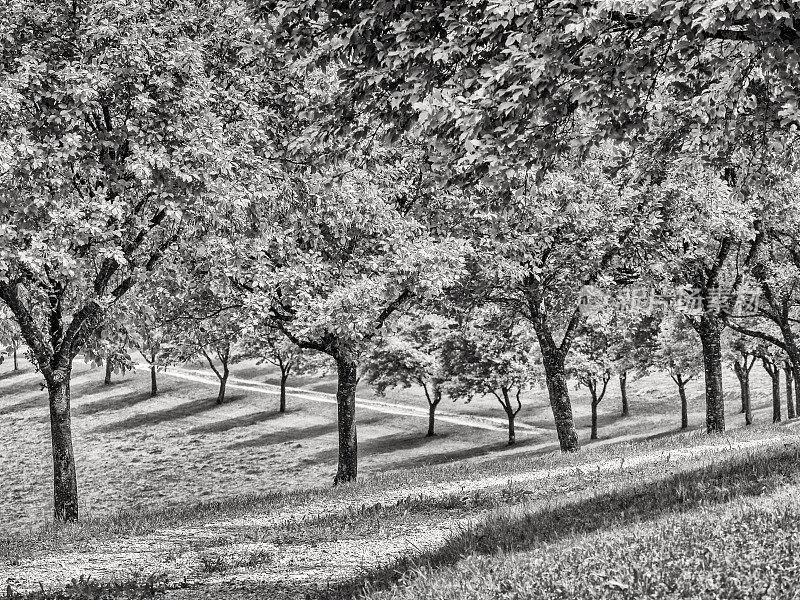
{"points": [[710, 330], [223, 381], [347, 370], [65, 485], [512, 438], [623, 390], [743, 375], [774, 372], [16, 364], [284, 377], [594, 419], [787, 369], [107, 380], [559, 398], [684, 403], [153, 382]]}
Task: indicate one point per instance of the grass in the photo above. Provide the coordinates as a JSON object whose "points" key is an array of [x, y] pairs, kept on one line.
{"points": [[726, 530]]}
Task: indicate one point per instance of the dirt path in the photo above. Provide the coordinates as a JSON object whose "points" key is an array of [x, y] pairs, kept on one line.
{"points": [[250, 385], [288, 550]]}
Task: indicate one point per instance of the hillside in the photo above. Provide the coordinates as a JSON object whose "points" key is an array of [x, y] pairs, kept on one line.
{"points": [[233, 501]]}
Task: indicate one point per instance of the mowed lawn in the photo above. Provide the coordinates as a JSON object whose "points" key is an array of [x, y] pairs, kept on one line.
{"points": [[181, 448]]}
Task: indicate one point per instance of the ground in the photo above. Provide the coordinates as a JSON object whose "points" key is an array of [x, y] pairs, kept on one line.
{"points": [[236, 498]]}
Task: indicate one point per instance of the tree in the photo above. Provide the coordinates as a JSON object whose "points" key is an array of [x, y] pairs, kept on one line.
{"points": [[267, 343], [411, 356], [772, 360], [11, 338], [592, 362], [742, 352], [493, 354], [120, 124], [351, 259], [679, 355]]}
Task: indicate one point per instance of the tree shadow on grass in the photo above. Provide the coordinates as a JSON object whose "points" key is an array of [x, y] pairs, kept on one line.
{"points": [[156, 417], [116, 402], [293, 434], [241, 421]]}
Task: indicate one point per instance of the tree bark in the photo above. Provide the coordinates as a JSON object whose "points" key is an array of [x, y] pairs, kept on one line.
{"points": [[347, 373], [153, 381], [774, 372], [512, 438], [787, 369], [710, 330], [623, 390], [558, 391], [743, 375], [223, 381], [284, 377], [16, 364], [65, 485], [432, 404], [107, 380], [684, 403], [594, 419]]}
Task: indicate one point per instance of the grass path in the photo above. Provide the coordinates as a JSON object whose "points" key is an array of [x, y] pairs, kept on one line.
{"points": [[288, 550], [475, 422]]}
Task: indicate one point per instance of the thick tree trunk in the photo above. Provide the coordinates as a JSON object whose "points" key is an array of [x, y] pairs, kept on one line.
{"points": [[107, 380], [153, 382], [787, 369], [623, 390], [347, 370], [743, 375], [710, 330], [794, 360], [223, 381], [284, 377], [558, 391], [684, 403], [65, 485]]}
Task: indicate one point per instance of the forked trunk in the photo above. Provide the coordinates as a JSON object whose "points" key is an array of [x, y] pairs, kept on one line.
{"points": [[346, 369], [710, 330], [432, 404], [65, 485], [743, 375], [223, 381], [623, 390]]}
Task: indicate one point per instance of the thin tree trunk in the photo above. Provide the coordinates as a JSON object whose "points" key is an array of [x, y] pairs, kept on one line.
{"points": [[432, 404], [623, 390], [743, 375], [107, 380], [512, 438], [710, 330], [223, 381], [284, 377], [787, 369], [594, 419], [65, 485], [347, 370], [16, 364], [153, 381], [774, 372], [684, 402]]}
